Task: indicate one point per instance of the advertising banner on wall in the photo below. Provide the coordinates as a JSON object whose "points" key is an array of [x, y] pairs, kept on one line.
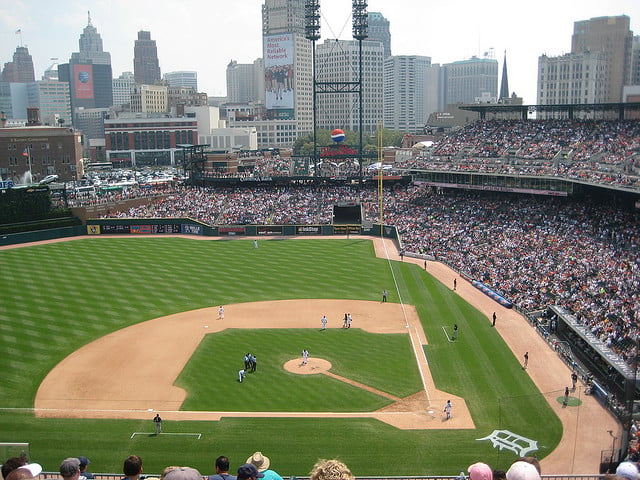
{"points": [[279, 75], [83, 81]]}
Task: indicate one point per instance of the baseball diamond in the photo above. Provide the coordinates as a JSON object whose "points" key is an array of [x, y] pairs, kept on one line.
{"points": [[140, 368]]}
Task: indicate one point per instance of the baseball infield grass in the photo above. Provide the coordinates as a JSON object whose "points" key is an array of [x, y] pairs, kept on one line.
{"points": [[58, 297]]}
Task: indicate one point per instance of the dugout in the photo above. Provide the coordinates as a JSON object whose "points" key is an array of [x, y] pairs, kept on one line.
{"points": [[612, 374]]}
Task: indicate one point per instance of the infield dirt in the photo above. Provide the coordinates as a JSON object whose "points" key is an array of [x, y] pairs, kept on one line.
{"points": [[61, 395]]}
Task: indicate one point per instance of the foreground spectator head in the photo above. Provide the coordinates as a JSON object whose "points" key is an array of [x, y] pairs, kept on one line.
{"points": [[261, 461], [499, 475], [70, 468], [222, 464], [248, 470], [627, 471], [166, 471], [132, 466], [11, 464], [522, 471], [330, 470], [183, 473], [480, 471], [26, 472], [533, 461]]}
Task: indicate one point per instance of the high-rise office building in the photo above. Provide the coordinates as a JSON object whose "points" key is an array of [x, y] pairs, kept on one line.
{"points": [[89, 72], [337, 61], [51, 72], [245, 82], [146, 67], [468, 81], [122, 90], [612, 37], [182, 78], [20, 70], [435, 89], [149, 98], [572, 78], [635, 61], [288, 76], [52, 98], [379, 31], [597, 69], [405, 92]]}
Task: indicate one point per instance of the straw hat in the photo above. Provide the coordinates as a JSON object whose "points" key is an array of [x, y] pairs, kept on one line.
{"points": [[259, 460]]}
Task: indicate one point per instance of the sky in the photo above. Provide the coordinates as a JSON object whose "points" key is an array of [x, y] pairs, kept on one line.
{"points": [[205, 35]]}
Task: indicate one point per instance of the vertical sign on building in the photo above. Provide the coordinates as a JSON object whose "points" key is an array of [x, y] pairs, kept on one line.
{"points": [[278, 76], [83, 81]]}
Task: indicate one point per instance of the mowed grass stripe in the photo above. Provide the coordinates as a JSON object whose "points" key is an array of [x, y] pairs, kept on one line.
{"points": [[97, 286]]}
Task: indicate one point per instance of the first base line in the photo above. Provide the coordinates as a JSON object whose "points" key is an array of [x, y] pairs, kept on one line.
{"points": [[197, 435]]}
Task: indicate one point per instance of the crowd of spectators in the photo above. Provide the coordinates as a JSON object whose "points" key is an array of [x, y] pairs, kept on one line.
{"points": [[605, 152], [533, 251], [258, 466]]}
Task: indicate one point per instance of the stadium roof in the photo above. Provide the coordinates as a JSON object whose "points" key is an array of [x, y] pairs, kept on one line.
{"points": [[620, 109]]}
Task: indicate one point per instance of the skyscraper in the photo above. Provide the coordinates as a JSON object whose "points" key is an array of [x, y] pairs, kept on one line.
{"points": [[288, 66], [122, 90], [468, 80], [52, 98], [338, 61], [612, 37], [245, 82], [571, 78], [379, 31], [635, 61], [20, 70], [405, 92], [182, 78], [89, 72], [146, 67]]}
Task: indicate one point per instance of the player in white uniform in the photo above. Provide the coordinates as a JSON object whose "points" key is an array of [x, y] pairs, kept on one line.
{"points": [[447, 409]]}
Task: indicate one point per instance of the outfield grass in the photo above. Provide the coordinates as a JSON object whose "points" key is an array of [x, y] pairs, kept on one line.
{"points": [[58, 297]]}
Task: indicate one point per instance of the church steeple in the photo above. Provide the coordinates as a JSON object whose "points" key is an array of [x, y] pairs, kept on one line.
{"points": [[504, 86]]}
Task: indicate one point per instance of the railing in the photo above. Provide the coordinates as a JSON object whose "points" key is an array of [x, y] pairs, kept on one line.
{"points": [[111, 476]]}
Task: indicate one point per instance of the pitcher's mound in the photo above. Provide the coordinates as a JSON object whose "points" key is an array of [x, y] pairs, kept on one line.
{"points": [[314, 365]]}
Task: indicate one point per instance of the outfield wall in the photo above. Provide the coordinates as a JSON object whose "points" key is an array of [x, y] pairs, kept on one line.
{"points": [[187, 226], [41, 235]]}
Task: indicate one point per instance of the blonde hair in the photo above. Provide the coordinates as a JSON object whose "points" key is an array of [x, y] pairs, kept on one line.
{"points": [[330, 470]]}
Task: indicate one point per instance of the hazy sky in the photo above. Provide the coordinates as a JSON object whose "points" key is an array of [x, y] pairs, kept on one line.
{"points": [[204, 35]]}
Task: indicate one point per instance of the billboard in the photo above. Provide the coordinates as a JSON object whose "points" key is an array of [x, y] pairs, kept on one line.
{"points": [[83, 81], [278, 76]]}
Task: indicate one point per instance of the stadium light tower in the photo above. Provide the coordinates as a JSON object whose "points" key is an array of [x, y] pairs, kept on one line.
{"points": [[312, 32], [360, 29], [360, 19]]}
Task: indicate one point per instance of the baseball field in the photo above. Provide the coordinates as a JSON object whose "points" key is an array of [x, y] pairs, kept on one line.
{"points": [[99, 334]]}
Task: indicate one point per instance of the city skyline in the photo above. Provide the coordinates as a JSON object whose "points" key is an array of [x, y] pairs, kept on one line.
{"points": [[186, 33]]}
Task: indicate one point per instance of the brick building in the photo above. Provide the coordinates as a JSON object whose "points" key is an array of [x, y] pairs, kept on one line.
{"points": [[28, 154], [147, 141]]}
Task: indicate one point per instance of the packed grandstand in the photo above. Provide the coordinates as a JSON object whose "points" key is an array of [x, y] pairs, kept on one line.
{"points": [[579, 252]]}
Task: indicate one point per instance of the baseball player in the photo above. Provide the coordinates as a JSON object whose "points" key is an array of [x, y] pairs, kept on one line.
{"points": [[447, 409]]}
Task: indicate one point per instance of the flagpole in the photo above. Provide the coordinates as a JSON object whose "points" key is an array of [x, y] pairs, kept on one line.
{"points": [[19, 32]]}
